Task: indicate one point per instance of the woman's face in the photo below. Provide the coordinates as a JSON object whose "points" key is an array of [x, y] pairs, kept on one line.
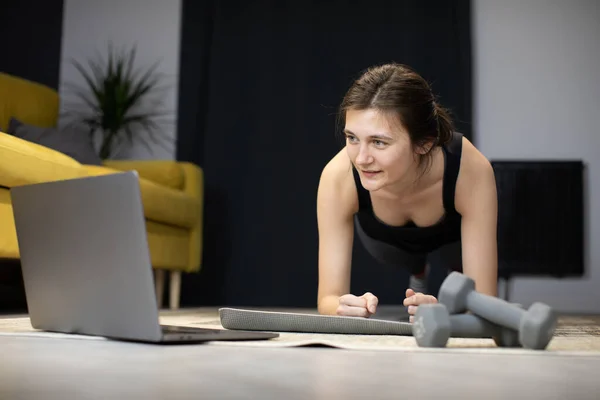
{"points": [[379, 147]]}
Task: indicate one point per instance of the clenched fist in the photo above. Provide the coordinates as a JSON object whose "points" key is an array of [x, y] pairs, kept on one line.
{"points": [[413, 300], [354, 306]]}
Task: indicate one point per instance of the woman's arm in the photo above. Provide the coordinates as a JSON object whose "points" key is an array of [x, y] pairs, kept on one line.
{"points": [[336, 234], [477, 202]]}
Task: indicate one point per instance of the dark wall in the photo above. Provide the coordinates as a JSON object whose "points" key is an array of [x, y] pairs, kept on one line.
{"points": [[260, 83], [31, 32]]}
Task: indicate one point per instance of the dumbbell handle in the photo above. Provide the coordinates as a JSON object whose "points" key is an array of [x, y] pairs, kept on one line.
{"points": [[471, 326], [495, 310]]}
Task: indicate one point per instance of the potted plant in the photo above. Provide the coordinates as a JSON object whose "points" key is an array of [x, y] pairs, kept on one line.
{"points": [[115, 101]]}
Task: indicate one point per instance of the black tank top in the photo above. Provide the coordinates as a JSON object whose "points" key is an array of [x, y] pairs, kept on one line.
{"points": [[409, 237]]}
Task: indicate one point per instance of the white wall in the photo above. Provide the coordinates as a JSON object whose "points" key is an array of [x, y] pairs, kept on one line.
{"points": [[537, 96], [152, 25]]}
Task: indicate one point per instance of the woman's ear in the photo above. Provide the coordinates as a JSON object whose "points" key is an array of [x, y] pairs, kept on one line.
{"points": [[424, 148]]}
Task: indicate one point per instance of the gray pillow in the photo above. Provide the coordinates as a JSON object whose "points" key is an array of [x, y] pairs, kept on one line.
{"points": [[74, 142]]}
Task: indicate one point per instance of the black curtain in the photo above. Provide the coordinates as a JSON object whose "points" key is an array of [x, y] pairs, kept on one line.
{"points": [[32, 36], [260, 83]]}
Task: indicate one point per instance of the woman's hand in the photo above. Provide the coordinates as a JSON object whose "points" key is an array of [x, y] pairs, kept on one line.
{"points": [[413, 300], [353, 306]]}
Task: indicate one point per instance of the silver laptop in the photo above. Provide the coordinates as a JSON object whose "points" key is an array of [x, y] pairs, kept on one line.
{"points": [[86, 263]]}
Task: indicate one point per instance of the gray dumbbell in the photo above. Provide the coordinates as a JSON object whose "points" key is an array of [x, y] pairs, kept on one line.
{"points": [[433, 327], [535, 325]]}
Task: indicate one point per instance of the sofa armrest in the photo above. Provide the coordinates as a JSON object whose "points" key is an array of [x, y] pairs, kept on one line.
{"points": [[164, 172], [195, 187], [183, 176], [193, 180], [23, 162]]}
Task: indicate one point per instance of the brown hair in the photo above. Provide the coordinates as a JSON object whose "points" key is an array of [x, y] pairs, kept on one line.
{"points": [[398, 90]]}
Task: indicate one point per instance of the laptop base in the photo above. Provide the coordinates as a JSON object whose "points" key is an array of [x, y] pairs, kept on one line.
{"points": [[178, 334]]}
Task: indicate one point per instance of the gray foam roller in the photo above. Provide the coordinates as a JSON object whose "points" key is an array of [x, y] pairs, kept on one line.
{"points": [[275, 321]]}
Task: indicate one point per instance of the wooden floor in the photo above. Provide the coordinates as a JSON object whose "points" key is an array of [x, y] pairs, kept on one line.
{"points": [[45, 368]]}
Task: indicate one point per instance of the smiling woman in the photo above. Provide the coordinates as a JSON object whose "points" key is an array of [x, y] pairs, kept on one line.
{"points": [[416, 191]]}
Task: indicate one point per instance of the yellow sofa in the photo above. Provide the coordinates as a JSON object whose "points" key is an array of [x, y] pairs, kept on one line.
{"points": [[172, 191]]}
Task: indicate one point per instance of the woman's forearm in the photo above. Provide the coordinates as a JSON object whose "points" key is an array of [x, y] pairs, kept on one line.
{"points": [[328, 305], [486, 281]]}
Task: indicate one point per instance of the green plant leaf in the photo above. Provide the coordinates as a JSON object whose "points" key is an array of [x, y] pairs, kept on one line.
{"points": [[114, 98]]}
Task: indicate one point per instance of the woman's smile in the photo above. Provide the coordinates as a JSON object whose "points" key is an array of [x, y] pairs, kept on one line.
{"points": [[370, 173]]}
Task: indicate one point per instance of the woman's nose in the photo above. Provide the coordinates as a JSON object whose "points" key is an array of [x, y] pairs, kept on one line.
{"points": [[363, 156]]}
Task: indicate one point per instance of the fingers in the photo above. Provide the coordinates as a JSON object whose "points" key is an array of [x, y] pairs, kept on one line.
{"points": [[363, 306], [352, 311], [413, 301], [419, 298], [352, 306], [409, 293], [352, 300], [372, 302]]}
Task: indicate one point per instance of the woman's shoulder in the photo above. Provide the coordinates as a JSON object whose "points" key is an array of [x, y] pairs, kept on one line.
{"points": [[338, 165], [473, 164], [475, 170], [337, 180]]}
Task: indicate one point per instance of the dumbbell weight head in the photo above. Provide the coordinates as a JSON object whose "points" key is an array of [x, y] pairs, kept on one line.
{"points": [[431, 327], [454, 291], [537, 326]]}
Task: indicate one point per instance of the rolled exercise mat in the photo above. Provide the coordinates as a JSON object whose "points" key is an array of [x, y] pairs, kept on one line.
{"points": [[253, 320]]}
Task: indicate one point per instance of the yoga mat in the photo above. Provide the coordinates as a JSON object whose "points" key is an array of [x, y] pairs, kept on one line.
{"points": [[279, 321]]}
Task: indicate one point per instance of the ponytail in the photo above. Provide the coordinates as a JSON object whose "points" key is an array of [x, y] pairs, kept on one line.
{"points": [[445, 126]]}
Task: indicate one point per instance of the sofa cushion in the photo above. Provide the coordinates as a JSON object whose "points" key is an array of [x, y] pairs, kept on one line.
{"points": [[165, 172], [75, 142], [161, 204], [23, 162]]}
